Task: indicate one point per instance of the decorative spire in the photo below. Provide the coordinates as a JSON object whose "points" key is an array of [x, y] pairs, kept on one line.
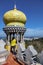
{"points": [[15, 6]]}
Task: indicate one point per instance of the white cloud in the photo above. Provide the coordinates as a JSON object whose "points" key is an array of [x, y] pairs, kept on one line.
{"points": [[34, 32]]}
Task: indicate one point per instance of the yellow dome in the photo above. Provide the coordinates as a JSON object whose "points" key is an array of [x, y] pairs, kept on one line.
{"points": [[14, 17]]}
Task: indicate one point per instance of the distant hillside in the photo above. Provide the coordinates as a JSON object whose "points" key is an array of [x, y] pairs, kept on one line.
{"points": [[37, 43]]}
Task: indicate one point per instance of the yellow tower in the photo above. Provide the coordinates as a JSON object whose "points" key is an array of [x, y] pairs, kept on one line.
{"points": [[15, 24]]}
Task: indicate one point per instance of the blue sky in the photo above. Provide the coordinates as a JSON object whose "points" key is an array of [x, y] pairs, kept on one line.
{"points": [[33, 10]]}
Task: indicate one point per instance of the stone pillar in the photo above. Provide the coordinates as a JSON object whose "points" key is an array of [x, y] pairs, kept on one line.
{"points": [[21, 37], [17, 36], [13, 35], [8, 38], [7, 46]]}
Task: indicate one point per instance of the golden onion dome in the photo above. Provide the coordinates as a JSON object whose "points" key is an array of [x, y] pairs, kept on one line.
{"points": [[14, 17]]}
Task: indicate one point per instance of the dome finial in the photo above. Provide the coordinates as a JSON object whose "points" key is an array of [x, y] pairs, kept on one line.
{"points": [[15, 6]]}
